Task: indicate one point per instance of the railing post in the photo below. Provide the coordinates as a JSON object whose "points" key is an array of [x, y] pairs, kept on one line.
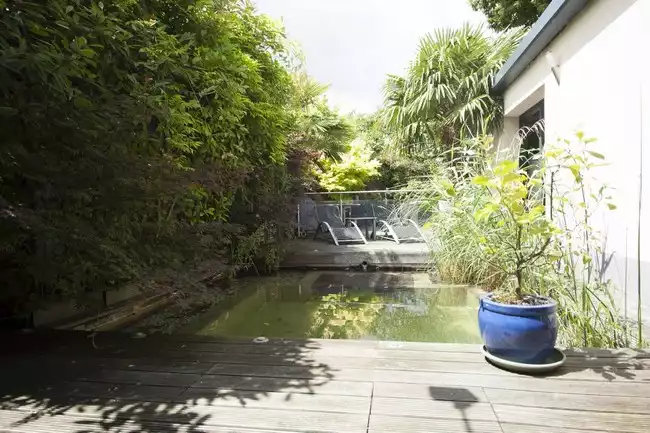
{"points": [[341, 206], [299, 230]]}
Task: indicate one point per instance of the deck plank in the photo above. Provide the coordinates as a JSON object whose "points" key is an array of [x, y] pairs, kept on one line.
{"points": [[599, 403], [12, 422], [587, 420], [280, 400], [522, 428], [433, 409], [223, 416], [485, 374], [270, 384], [140, 377], [393, 424], [633, 389], [319, 365], [429, 392], [78, 339]]}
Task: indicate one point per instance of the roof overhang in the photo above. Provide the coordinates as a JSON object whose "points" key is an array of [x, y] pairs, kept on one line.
{"points": [[554, 19]]}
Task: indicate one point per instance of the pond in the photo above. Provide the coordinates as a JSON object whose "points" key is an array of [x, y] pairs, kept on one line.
{"points": [[348, 305]]}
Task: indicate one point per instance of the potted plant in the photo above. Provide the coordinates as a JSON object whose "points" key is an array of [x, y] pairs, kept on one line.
{"points": [[515, 322]]}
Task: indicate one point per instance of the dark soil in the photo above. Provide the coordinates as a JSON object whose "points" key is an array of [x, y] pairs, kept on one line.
{"points": [[511, 299]]}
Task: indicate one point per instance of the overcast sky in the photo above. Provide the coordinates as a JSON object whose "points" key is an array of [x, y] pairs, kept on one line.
{"points": [[353, 44]]}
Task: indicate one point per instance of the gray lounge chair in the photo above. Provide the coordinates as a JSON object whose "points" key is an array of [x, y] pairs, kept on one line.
{"points": [[329, 221], [399, 229]]}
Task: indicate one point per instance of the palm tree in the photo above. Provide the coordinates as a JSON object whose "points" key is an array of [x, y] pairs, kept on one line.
{"points": [[445, 95]]}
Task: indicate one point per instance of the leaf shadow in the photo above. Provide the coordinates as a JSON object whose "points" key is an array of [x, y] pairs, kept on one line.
{"points": [[162, 383]]}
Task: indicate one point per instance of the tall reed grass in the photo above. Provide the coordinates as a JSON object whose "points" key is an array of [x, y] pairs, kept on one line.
{"points": [[573, 272]]}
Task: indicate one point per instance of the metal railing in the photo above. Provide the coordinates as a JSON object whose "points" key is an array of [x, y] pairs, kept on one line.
{"points": [[346, 198]]}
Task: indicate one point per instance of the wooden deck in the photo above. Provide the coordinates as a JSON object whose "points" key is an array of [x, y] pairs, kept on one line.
{"points": [[69, 383], [319, 254]]}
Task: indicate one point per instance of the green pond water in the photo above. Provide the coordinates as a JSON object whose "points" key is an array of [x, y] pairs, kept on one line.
{"points": [[368, 305]]}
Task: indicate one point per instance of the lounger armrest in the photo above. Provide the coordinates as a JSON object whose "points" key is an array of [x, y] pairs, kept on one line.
{"points": [[354, 224], [331, 232], [390, 230], [417, 227]]}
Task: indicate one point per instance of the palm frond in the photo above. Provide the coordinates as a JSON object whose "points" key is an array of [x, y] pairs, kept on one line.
{"points": [[445, 93]]}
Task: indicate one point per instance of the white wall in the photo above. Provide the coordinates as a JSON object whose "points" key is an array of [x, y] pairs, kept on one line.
{"points": [[505, 145], [604, 91]]}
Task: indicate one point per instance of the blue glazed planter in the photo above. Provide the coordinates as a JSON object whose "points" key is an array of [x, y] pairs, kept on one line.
{"points": [[520, 333]]}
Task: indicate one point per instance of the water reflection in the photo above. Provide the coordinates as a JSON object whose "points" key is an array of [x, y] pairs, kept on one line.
{"points": [[378, 305]]}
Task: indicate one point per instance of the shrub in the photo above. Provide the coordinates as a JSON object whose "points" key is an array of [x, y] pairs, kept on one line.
{"points": [[490, 224], [136, 136]]}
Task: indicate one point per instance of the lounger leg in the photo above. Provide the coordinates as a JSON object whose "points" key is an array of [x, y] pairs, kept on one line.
{"points": [[418, 230], [331, 232], [390, 231], [359, 231]]}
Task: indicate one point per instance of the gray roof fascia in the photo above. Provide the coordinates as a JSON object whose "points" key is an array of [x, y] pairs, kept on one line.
{"points": [[552, 21]]}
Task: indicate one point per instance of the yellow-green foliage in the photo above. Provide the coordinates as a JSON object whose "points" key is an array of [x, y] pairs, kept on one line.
{"points": [[352, 172]]}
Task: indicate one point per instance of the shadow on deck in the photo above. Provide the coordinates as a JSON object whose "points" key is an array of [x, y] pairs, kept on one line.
{"points": [[306, 253], [69, 382]]}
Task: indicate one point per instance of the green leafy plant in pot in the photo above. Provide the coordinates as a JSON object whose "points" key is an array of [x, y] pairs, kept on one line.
{"points": [[518, 322], [515, 323]]}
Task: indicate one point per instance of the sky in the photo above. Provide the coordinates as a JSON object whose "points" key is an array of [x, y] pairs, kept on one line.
{"points": [[353, 44]]}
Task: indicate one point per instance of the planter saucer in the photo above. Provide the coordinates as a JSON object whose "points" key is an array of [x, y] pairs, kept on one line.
{"points": [[554, 361]]}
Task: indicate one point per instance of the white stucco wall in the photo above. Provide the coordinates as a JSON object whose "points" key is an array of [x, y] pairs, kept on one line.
{"points": [[604, 90], [505, 144]]}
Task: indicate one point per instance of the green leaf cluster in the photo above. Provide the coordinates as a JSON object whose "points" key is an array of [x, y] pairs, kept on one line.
{"points": [[445, 95], [351, 172], [136, 135], [524, 232], [505, 14]]}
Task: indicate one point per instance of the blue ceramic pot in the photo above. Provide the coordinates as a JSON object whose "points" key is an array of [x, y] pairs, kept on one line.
{"points": [[520, 333]]}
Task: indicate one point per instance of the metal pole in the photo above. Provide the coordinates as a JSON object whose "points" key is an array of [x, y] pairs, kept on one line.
{"points": [[299, 231], [341, 206]]}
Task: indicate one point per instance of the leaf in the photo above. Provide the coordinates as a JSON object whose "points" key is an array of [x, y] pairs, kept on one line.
{"points": [[538, 210], [575, 169], [611, 206], [82, 102], [7, 111], [505, 167], [38, 30], [480, 180], [596, 154], [512, 177], [485, 212], [553, 153]]}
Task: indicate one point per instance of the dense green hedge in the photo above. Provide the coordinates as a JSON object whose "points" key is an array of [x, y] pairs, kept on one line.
{"points": [[133, 134]]}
